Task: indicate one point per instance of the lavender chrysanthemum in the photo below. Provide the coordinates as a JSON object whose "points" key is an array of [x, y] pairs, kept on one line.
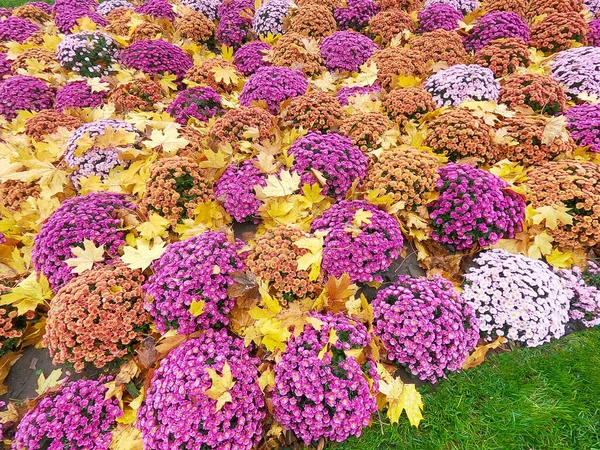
{"points": [[578, 69], [269, 17], [24, 93], [585, 298], [90, 54], [273, 85], [346, 50], [207, 7], [464, 6], [452, 86], [107, 6]]}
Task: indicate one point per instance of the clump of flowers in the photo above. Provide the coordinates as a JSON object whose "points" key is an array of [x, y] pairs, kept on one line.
{"points": [[251, 57], [346, 50], [273, 259], [356, 14], [559, 31], [592, 6], [397, 61], [97, 317], [440, 46], [296, 51], [139, 95], [177, 411], [269, 17], [94, 217], [575, 185], [503, 56], [452, 86], [460, 134], [235, 22], [404, 174], [207, 7], [338, 161], [66, 18], [411, 103], [525, 143], [585, 299], [594, 33], [314, 21], [439, 17], [12, 325], [156, 57], [553, 6], [541, 93], [273, 85], [346, 94], [79, 94], [157, 9], [175, 188], [49, 121], [235, 189], [24, 93], [387, 24], [230, 128], [90, 54], [205, 73], [195, 26], [328, 397], [46, 58], [76, 416], [146, 31], [365, 129], [425, 325], [16, 29], [584, 125], [474, 208], [577, 70], [362, 241], [5, 66], [496, 25], [200, 103], [119, 21], [516, 297], [516, 6], [314, 111], [464, 6], [13, 193], [31, 12], [198, 269], [107, 6]]}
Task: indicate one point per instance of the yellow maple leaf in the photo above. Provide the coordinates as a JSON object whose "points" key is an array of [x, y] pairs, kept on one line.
{"points": [[552, 215], [477, 357], [335, 294], [97, 85], [167, 82], [126, 437], [400, 397], [227, 53], [312, 259], [220, 386], [168, 139], [197, 307], [362, 216], [155, 226], [286, 183], [560, 259], [28, 294], [142, 256], [556, 128], [45, 384], [115, 137], [267, 379], [366, 77], [542, 245], [85, 257], [215, 159], [326, 82], [227, 75]]}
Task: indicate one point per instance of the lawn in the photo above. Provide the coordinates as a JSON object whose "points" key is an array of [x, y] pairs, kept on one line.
{"points": [[11, 3], [546, 398]]}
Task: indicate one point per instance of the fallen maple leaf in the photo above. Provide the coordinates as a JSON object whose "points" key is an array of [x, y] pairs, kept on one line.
{"points": [[28, 294], [477, 357], [552, 215], [311, 259], [85, 257], [286, 183], [556, 128], [400, 397], [142, 256], [168, 139], [197, 308], [221, 384], [46, 384]]}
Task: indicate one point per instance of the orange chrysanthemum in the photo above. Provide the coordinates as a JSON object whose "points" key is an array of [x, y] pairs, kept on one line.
{"points": [[403, 105], [365, 129], [503, 56], [314, 111]]}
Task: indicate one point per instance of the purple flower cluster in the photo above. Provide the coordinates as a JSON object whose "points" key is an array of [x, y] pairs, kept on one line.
{"points": [[235, 21], [273, 85], [594, 33], [235, 189], [62, 5], [452, 86], [78, 94], [584, 125], [2, 238], [464, 6], [346, 50], [362, 248], [334, 156], [356, 14], [516, 297], [66, 17], [5, 12], [426, 326], [439, 16], [345, 93], [156, 57], [90, 54], [198, 269], [585, 299], [16, 29], [201, 103], [474, 208], [95, 217], [250, 57], [76, 417], [269, 17], [326, 397], [207, 7], [496, 25], [24, 93], [107, 6], [177, 413], [159, 9], [578, 69], [43, 6], [5, 66]]}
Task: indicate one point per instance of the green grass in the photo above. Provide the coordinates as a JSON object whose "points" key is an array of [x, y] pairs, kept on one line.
{"points": [[547, 398], [12, 3]]}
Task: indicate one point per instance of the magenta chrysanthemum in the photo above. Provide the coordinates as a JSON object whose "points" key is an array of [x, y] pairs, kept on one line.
{"points": [[5, 66], [177, 412], [273, 85], [16, 29], [24, 93], [356, 14], [157, 8], [496, 25], [66, 18], [156, 57], [346, 50], [251, 57], [201, 103], [79, 94], [235, 189], [584, 125], [439, 16]]}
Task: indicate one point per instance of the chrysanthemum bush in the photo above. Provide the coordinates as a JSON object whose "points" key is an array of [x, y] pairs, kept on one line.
{"points": [[97, 318], [157, 9], [195, 26], [89, 54], [14, 193], [496, 25], [315, 20], [584, 125], [177, 411], [464, 6], [156, 57], [516, 297], [79, 94], [235, 189], [95, 217], [347, 94], [361, 241], [553, 6], [411, 103], [195, 270], [585, 298], [48, 121], [355, 14], [77, 416], [474, 208], [439, 17], [387, 24], [313, 111], [137, 95], [200, 103], [541, 93], [235, 123], [425, 325], [346, 50], [559, 31], [24, 93], [332, 396], [205, 74], [251, 56], [273, 85], [269, 17], [16, 29], [294, 50], [440, 46], [12, 325], [452, 86], [397, 61], [577, 70], [503, 56], [366, 129]]}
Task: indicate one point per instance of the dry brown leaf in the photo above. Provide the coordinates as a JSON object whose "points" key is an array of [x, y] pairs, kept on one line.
{"points": [[478, 356]]}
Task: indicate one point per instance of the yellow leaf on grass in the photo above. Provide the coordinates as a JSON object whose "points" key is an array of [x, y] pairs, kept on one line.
{"points": [[28, 294], [142, 256], [286, 183], [85, 257], [477, 357], [168, 139], [46, 384], [400, 397], [197, 307], [551, 215], [221, 384]]}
